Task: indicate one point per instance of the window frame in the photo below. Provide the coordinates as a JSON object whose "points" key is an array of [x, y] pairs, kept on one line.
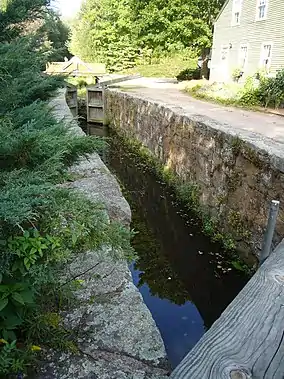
{"points": [[257, 18], [268, 43], [246, 58], [235, 10], [225, 47]]}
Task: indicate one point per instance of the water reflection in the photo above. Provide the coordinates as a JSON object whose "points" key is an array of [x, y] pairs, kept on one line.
{"points": [[177, 318], [181, 326], [185, 280]]}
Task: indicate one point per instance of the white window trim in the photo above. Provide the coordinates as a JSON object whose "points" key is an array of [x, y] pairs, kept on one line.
{"points": [[261, 51], [240, 49], [233, 23], [257, 11]]}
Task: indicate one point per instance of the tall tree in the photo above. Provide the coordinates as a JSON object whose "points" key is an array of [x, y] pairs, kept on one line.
{"points": [[17, 14], [122, 29], [55, 35], [105, 31]]}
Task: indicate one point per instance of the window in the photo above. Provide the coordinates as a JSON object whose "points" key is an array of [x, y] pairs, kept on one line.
{"points": [[224, 53], [243, 56], [236, 17], [261, 10], [265, 57]]}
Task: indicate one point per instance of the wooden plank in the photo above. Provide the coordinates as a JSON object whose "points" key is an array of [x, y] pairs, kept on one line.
{"points": [[247, 341], [95, 105], [72, 99], [115, 80]]}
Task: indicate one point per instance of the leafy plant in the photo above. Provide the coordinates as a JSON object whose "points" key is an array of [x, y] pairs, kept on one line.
{"points": [[189, 74], [249, 95], [13, 360], [15, 299], [237, 74], [124, 34], [42, 225], [271, 90]]}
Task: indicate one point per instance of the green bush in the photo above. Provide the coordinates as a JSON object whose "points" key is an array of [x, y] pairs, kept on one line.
{"points": [[165, 66], [250, 94], [42, 226], [271, 90], [189, 74], [237, 74]]}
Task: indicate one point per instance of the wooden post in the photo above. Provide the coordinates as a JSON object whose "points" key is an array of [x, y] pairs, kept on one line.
{"points": [[269, 233], [72, 99]]}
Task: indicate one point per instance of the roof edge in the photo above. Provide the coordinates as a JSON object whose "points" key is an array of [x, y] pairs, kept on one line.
{"points": [[222, 9]]}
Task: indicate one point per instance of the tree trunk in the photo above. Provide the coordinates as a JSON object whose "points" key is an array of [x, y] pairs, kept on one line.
{"points": [[204, 68]]}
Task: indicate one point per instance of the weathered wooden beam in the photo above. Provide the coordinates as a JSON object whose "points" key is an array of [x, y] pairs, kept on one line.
{"points": [[118, 80], [247, 341]]}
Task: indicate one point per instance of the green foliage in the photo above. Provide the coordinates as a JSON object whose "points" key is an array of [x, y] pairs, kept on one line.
{"points": [[32, 17], [104, 32], [29, 248], [189, 74], [20, 67], [236, 94], [271, 90], [236, 74], [42, 225], [56, 36], [249, 95], [17, 15], [168, 66], [129, 32], [12, 359]]}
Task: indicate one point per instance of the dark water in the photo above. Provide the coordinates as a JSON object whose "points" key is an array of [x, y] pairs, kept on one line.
{"points": [[185, 279]]}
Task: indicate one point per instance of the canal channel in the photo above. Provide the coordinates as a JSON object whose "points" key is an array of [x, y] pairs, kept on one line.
{"points": [[185, 279]]}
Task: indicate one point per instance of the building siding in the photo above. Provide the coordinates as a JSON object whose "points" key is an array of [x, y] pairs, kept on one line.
{"points": [[251, 32]]}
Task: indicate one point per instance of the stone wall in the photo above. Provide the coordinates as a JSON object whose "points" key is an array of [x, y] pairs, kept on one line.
{"points": [[116, 336], [238, 174]]}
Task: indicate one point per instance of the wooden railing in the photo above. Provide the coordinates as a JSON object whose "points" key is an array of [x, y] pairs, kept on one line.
{"points": [[247, 341]]}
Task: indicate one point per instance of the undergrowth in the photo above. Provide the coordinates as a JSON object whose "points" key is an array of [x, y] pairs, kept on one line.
{"points": [[43, 226], [253, 94], [165, 67]]}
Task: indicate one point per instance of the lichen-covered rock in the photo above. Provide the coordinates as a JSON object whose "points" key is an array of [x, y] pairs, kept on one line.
{"points": [[116, 336], [99, 185], [101, 365], [62, 112]]}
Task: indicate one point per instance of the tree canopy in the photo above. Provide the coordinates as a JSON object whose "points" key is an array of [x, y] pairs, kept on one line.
{"points": [[34, 18], [115, 30]]}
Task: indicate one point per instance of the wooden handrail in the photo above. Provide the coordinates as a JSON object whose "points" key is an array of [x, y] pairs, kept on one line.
{"points": [[247, 341]]}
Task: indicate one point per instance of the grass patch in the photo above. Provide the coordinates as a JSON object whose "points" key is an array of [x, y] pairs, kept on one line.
{"points": [[231, 94], [166, 67]]}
